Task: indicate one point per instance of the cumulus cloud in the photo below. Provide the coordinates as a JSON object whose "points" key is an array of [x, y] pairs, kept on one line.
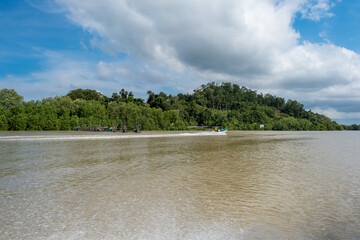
{"points": [[335, 114], [183, 44], [65, 72], [229, 37]]}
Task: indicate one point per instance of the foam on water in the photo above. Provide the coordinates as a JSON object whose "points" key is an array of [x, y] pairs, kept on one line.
{"points": [[100, 136]]}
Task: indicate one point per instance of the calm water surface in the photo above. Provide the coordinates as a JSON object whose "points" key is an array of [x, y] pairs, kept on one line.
{"points": [[243, 185]]}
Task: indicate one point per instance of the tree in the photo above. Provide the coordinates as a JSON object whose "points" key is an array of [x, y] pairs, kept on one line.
{"points": [[123, 95], [86, 94], [130, 97], [3, 122], [295, 109], [10, 99], [212, 104], [18, 122]]}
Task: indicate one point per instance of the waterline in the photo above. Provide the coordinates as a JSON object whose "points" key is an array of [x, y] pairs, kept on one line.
{"points": [[103, 136]]}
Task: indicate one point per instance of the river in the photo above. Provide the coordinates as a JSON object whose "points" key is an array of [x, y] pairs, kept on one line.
{"points": [[170, 185]]}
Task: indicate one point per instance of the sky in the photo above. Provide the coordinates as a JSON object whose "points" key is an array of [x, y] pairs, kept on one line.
{"points": [[305, 50]]}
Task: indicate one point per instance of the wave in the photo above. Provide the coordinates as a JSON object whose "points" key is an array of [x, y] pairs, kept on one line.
{"points": [[99, 136]]}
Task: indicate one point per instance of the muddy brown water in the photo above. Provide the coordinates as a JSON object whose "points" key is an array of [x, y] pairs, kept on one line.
{"points": [[170, 185]]}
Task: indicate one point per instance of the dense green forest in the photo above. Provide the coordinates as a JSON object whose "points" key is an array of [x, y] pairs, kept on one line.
{"points": [[227, 105]]}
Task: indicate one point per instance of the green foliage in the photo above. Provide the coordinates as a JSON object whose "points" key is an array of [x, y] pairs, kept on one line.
{"points": [[292, 124], [3, 123], [351, 127], [227, 105], [9, 99], [18, 122], [86, 94]]}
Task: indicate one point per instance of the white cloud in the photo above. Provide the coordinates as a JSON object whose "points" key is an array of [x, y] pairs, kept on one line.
{"points": [[221, 36], [62, 74], [335, 114], [248, 39], [66, 72], [317, 66], [316, 9]]}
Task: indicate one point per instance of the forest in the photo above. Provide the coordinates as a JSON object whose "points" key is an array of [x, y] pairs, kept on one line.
{"points": [[227, 105]]}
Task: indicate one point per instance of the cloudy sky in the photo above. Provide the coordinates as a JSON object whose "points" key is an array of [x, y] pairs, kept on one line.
{"points": [[307, 50]]}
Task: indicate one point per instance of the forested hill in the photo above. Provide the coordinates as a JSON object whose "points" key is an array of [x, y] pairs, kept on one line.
{"points": [[226, 105]]}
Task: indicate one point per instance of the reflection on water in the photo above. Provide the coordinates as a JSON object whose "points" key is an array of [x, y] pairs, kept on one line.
{"points": [[243, 185]]}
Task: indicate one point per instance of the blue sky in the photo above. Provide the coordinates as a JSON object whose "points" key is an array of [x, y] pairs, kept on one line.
{"points": [[342, 29], [306, 50], [28, 29]]}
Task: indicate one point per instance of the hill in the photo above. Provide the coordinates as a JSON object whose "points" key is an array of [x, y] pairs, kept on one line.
{"points": [[227, 105]]}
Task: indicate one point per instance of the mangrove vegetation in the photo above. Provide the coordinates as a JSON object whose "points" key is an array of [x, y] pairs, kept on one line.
{"points": [[227, 105]]}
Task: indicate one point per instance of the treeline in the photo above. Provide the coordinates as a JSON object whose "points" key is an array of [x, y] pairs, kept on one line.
{"points": [[351, 127], [227, 105]]}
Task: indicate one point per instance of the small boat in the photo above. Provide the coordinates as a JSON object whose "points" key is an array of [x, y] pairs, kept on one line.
{"points": [[222, 130]]}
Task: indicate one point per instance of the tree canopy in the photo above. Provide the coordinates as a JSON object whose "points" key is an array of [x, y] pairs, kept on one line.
{"points": [[227, 105]]}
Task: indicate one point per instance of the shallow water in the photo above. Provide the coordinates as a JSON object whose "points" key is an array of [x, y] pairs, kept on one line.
{"points": [[242, 185]]}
